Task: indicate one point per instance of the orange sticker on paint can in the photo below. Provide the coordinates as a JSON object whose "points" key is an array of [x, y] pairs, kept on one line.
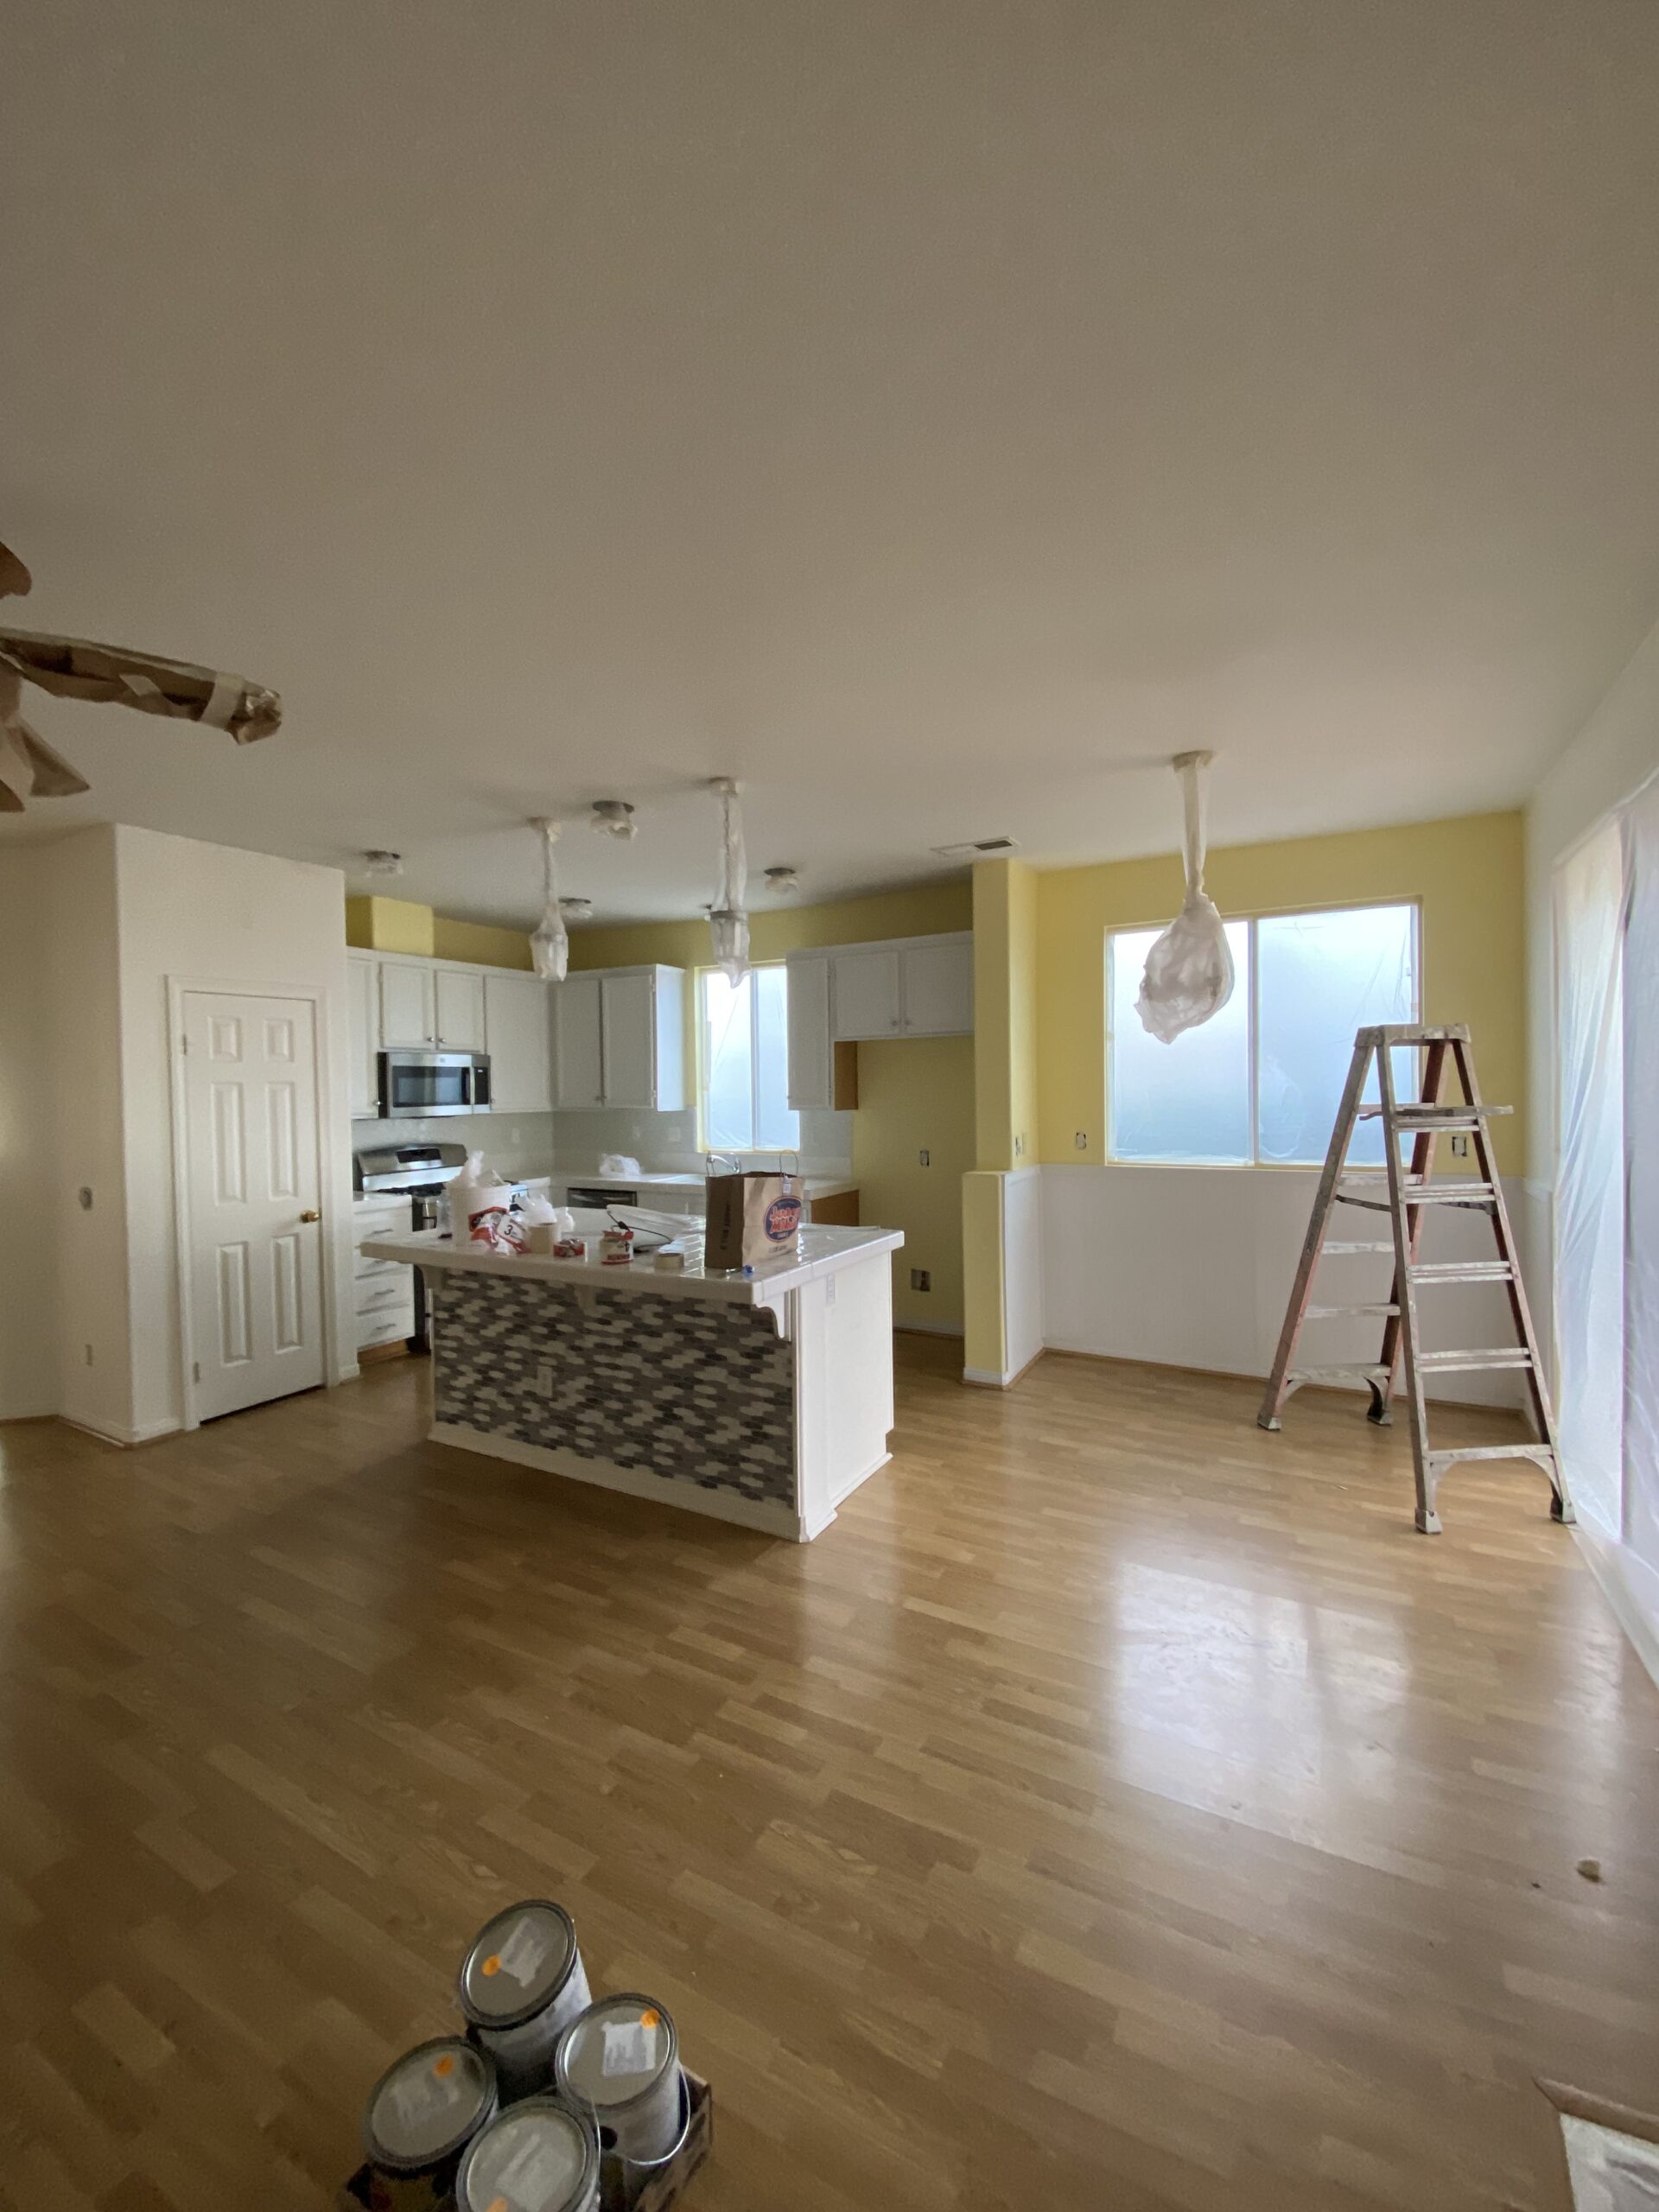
{"points": [[650, 2019], [444, 2067], [491, 1966]]}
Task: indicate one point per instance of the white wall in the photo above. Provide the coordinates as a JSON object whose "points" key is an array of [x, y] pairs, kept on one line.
{"points": [[212, 915], [27, 1169], [1192, 1266]]}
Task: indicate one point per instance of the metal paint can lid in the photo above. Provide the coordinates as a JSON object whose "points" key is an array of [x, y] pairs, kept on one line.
{"points": [[616, 2050], [538, 2157], [427, 2104], [518, 1963]]}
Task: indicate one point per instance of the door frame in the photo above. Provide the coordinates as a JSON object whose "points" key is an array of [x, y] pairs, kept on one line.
{"points": [[179, 987]]}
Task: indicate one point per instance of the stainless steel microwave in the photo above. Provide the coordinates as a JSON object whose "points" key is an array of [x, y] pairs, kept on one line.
{"points": [[417, 1084]]}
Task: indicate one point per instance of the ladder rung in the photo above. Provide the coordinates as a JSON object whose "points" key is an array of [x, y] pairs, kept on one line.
{"points": [[1349, 1372], [1544, 1453], [1461, 1271], [1454, 1191], [1334, 1312], [1371, 1205], [1407, 1033], [1446, 1363], [1458, 1114], [1332, 1245]]}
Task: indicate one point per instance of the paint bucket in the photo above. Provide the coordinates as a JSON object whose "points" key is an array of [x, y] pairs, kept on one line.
{"points": [[521, 1984], [420, 2115], [535, 2157], [622, 2180], [620, 2062]]}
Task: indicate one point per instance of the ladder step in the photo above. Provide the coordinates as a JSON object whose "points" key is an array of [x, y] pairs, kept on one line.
{"points": [[1454, 1191], [1332, 1245], [1410, 1033], [1439, 1461], [1409, 1112], [1461, 1271], [1349, 1372], [1333, 1312], [1448, 1363]]}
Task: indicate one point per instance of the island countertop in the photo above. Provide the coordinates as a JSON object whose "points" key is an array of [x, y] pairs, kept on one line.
{"points": [[822, 1251]]}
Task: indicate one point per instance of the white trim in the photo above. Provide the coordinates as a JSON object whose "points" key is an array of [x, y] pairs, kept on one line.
{"points": [[773, 1520], [118, 1434], [997, 1378], [334, 1370], [816, 1527]]}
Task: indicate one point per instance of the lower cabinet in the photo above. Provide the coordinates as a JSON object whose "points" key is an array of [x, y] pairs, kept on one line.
{"points": [[383, 1291]]}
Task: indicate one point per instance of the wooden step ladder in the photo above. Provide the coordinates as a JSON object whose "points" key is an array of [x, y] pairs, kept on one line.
{"points": [[1404, 1192]]}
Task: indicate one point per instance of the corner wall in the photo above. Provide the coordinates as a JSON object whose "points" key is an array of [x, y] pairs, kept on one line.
{"points": [[29, 1181]]}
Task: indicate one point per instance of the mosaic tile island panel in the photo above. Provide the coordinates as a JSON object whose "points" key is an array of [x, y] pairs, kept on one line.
{"points": [[694, 1392]]}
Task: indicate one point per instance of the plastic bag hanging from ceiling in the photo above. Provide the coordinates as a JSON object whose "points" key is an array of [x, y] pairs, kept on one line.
{"points": [[549, 947], [1189, 973], [729, 925]]}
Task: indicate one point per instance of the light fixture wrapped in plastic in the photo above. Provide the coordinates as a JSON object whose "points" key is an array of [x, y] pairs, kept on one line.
{"points": [[549, 946], [728, 923], [1189, 975]]}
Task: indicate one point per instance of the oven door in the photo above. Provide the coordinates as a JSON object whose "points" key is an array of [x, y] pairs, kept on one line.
{"points": [[415, 1085]]}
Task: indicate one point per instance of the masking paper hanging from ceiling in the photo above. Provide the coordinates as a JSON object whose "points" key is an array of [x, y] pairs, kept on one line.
{"points": [[1189, 974]]}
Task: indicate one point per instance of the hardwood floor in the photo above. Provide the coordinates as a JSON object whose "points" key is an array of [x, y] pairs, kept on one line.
{"points": [[1117, 1807]]}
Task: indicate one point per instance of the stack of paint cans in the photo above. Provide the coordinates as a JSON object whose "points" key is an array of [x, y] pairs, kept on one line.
{"points": [[552, 2102]]}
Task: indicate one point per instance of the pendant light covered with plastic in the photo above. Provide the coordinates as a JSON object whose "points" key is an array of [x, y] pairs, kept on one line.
{"points": [[549, 947], [728, 923], [1189, 975]]}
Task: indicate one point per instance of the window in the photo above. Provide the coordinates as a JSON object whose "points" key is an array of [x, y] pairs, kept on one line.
{"points": [[743, 1061], [1260, 1082]]}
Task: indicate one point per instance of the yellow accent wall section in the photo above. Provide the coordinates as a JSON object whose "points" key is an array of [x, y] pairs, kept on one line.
{"points": [[388, 926], [482, 942], [1005, 1011], [1468, 874], [917, 1095], [926, 910]]}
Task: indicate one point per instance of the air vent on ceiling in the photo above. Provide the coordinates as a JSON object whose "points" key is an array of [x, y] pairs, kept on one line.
{"points": [[977, 848]]}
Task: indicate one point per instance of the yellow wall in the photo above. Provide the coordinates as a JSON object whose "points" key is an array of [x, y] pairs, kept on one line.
{"points": [[388, 926], [984, 1337], [917, 1095], [480, 941], [928, 910], [1005, 1011], [1468, 873]]}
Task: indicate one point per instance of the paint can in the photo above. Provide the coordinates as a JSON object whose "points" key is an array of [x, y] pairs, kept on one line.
{"points": [[522, 1983], [420, 2115], [620, 2062], [535, 2157]]}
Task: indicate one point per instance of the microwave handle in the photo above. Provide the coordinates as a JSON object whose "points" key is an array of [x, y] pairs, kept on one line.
{"points": [[481, 1085]]}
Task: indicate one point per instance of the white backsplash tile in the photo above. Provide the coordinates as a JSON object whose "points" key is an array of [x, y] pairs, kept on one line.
{"points": [[666, 1144], [518, 1146]]}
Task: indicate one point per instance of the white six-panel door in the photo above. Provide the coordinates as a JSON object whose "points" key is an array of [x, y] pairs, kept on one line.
{"points": [[255, 1235]]}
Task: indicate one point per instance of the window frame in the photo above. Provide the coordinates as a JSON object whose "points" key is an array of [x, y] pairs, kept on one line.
{"points": [[1116, 1158], [742, 1153]]}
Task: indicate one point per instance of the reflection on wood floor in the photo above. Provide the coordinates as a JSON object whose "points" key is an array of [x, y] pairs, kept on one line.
{"points": [[1118, 1806]]}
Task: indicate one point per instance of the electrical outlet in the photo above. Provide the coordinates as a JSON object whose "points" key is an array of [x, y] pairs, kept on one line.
{"points": [[1019, 1146], [920, 1278], [1081, 1140], [1460, 1144], [89, 1355], [544, 1379], [925, 1159]]}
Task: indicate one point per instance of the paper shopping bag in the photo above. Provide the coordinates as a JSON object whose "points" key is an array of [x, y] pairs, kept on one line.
{"points": [[750, 1219]]}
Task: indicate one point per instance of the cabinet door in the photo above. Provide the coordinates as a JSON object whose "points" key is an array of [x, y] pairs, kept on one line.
{"points": [[576, 1013], [867, 992], [515, 1038], [460, 1009], [627, 1028], [938, 989], [811, 1052], [363, 1021], [406, 1007]]}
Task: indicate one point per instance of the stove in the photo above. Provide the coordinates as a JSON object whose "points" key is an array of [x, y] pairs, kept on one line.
{"points": [[420, 1172]]}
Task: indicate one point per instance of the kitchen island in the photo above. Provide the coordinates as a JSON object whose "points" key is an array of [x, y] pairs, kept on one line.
{"points": [[762, 1398]]}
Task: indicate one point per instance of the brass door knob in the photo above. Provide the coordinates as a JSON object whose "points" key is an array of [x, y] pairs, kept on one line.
{"points": [[311, 1214]]}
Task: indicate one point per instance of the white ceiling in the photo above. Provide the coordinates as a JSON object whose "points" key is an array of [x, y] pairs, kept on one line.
{"points": [[934, 412]]}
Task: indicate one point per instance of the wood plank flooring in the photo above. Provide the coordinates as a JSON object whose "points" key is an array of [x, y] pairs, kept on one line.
{"points": [[1117, 1808]]}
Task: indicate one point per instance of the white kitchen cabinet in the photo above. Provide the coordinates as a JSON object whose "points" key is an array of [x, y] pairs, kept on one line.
{"points": [[937, 987], [580, 1067], [620, 1037], [517, 1039], [363, 1024], [812, 1050], [866, 1002], [460, 1009], [407, 1003]]}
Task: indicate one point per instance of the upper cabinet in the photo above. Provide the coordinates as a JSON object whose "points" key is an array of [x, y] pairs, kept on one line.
{"points": [[619, 1039], [460, 993], [408, 1004], [363, 1023], [516, 1033], [855, 993]]}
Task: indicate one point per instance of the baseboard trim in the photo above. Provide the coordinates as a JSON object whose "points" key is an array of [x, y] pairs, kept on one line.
{"points": [[927, 1329], [993, 1378], [771, 1520], [127, 1439], [809, 1529]]}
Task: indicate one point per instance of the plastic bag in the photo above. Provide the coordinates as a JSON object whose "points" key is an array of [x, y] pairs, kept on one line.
{"points": [[728, 923], [1189, 974], [549, 947]]}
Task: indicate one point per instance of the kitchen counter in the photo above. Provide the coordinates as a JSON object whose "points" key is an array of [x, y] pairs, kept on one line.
{"points": [[761, 1398]]}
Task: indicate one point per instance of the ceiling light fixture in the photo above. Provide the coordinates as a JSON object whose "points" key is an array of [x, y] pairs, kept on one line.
{"points": [[614, 818], [377, 860], [728, 923], [549, 945], [577, 909], [785, 881]]}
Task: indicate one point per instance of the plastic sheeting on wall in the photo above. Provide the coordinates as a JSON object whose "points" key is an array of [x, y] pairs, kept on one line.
{"points": [[1189, 975]]}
